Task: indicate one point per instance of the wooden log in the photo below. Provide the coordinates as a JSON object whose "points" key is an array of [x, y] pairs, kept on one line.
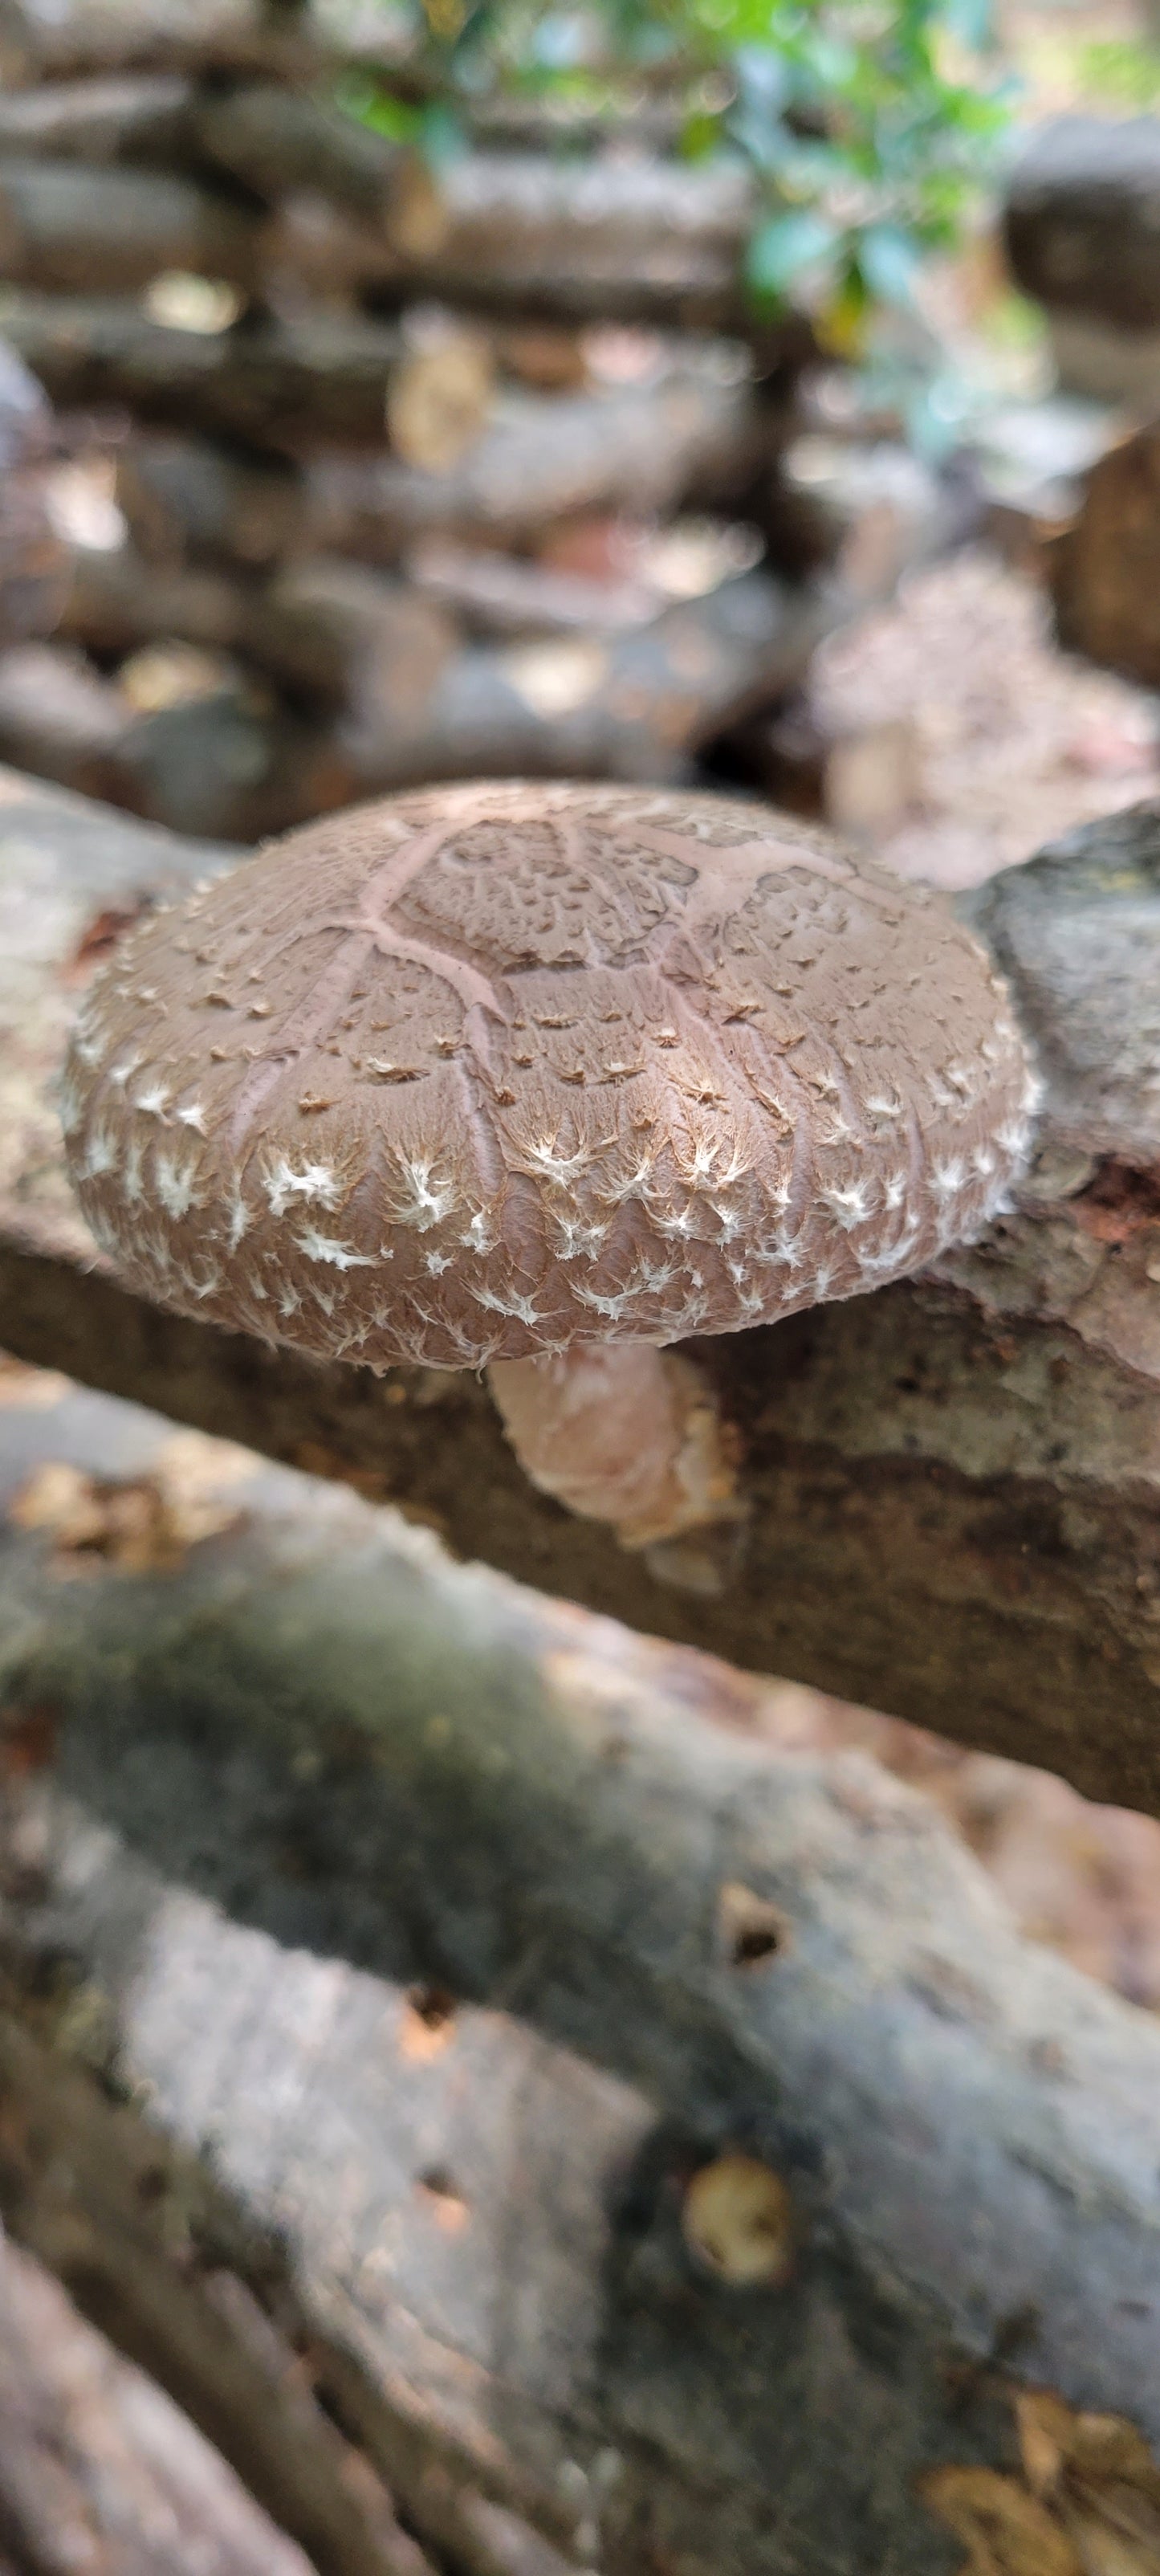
{"points": [[116, 601], [639, 1945], [187, 501], [59, 718], [140, 118], [106, 231], [641, 449], [33, 559], [97, 2467], [411, 708], [211, 751], [1104, 568], [504, 594], [275, 384], [965, 1463], [441, 391], [26, 431], [1079, 225], [1081, 238], [631, 240], [277, 141], [348, 636], [45, 41], [223, 760]]}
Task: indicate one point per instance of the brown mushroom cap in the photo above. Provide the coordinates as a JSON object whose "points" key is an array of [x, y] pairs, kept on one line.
{"points": [[486, 1071]]}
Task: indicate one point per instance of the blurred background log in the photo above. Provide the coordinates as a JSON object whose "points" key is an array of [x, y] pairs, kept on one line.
{"points": [[544, 458], [275, 383], [44, 41], [634, 241], [1104, 568], [116, 601], [77, 229], [186, 500], [142, 118], [33, 560], [276, 141], [1081, 237]]}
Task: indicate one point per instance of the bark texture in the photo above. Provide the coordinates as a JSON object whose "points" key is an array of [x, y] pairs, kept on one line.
{"points": [[48, 41], [950, 1487], [635, 240], [1080, 220], [134, 118], [33, 560], [597, 1942], [189, 500], [77, 230], [278, 140], [322, 377], [97, 2467], [544, 458], [1104, 568]]}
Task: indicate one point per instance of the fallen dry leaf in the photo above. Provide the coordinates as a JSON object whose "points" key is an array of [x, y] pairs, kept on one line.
{"points": [[1007, 2531], [140, 1524], [29, 1388]]}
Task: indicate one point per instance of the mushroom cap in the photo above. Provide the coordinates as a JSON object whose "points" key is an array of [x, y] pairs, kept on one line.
{"points": [[484, 1071]]}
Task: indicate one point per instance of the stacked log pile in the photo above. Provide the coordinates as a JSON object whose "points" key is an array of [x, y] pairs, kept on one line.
{"points": [[397, 474], [1082, 239]]}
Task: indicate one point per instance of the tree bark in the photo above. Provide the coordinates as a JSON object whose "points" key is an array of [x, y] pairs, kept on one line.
{"points": [[91, 36], [189, 501], [594, 239], [950, 1487], [1080, 219], [305, 1740], [275, 384], [1104, 569], [277, 141], [142, 118], [412, 704], [351, 638], [545, 457], [79, 230], [97, 2468], [115, 601], [33, 559], [60, 719]]}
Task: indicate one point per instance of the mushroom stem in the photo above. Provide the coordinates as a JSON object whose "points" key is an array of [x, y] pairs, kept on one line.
{"points": [[620, 1432]]}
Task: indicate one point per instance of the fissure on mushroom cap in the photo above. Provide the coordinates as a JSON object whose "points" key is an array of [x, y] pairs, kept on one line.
{"points": [[484, 1071]]}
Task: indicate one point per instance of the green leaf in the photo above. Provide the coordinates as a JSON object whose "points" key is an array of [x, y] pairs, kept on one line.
{"points": [[782, 249]]}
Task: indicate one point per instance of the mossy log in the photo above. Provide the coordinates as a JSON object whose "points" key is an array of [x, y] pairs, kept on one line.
{"points": [[950, 1486], [443, 1954]]}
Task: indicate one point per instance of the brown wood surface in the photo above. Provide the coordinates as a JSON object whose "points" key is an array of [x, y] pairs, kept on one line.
{"points": [[1104, 568], [98, 2469], [108, 231], [322, 377], [142, 117], [950, 1487], [630, 239], [642, 449]]}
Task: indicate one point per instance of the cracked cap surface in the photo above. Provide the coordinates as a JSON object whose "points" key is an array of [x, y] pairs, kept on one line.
{"points": [[479, 1072]]}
